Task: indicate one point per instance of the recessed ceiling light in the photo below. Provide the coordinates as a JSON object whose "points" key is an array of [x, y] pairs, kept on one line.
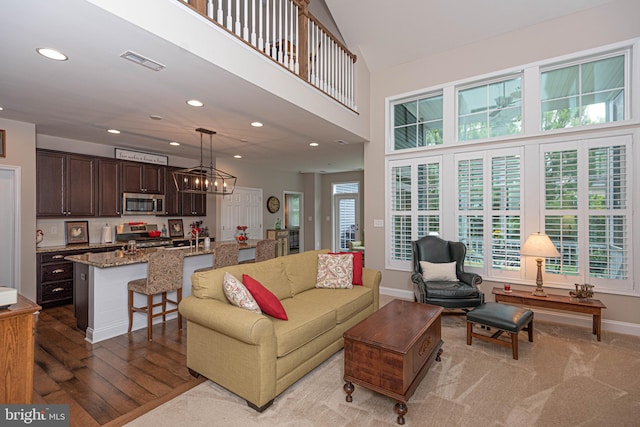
{"points": [[313, 144], [52, 54], [113, 131], [256, 124], [195, 103], [174, 143], [1, 108], [237, 156]]}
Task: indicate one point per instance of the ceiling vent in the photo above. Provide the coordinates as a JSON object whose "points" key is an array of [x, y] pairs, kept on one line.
{"points": [[141, 60]]}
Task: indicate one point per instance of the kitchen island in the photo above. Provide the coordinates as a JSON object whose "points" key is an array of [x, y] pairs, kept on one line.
{"points": [[100, 286]]}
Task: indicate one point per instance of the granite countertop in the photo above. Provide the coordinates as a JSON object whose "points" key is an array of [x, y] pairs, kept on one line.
{"points": [[76, 247], [119, 257]]}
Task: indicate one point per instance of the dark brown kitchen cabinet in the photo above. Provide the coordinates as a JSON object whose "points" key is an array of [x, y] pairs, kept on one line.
{"points": [[172, 198], [109, 183], [142, 178], [194, 204], [65, 185]]}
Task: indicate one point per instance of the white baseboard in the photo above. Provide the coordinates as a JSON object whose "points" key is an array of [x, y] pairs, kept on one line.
{"points": [[549, 316]]}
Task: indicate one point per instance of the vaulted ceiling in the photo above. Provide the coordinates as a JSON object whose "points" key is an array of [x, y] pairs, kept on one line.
{"points": [[96, 89]]}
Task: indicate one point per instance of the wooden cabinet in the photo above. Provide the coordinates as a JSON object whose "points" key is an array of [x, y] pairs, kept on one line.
{"points": [[142, 178], [182, 204], [109, 192], [17, 329], [65, 185], [282, 237], [194, 204], [55, 279], [55, 276]]}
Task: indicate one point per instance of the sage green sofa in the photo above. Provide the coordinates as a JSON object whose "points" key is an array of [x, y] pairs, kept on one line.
{"points": [[256, 356]]}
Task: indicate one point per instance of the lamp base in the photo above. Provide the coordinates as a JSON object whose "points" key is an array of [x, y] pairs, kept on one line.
{"points": [[538, 293]]}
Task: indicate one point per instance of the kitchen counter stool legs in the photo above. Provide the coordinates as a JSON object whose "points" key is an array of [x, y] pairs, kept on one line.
{"points": [[164, 275]]}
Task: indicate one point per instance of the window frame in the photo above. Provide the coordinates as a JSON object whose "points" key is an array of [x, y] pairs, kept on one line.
{"points": [[531, 139], [391, 146], [626, 52]]}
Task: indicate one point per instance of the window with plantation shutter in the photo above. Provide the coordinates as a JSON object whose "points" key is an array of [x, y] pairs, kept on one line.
{"points": [[471, 209], [401, 187], [586, 212], [505, 209], [415, 205]]}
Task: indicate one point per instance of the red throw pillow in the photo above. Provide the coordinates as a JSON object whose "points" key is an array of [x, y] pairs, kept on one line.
{"points": [[267, 301], [357, 265]]}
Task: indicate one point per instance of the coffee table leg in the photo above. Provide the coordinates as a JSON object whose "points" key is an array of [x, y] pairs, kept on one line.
{"points": [[438, 355], [401, 410], [348, 388]]}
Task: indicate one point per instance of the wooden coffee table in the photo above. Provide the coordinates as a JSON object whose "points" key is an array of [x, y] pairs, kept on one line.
{"points": [[557, 302], [391, 351]]}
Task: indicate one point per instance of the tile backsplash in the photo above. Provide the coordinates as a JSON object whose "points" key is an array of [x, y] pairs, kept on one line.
{"points": [[55, 229]]}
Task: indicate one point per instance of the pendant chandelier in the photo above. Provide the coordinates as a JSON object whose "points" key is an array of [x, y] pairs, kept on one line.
{"points": [[202, 179]]}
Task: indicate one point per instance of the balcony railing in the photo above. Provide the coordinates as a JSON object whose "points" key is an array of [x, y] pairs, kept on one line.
{"points": [[285, 31]]}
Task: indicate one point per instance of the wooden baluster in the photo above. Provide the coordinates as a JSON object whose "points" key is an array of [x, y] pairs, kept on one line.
{"points": [[254, 37], [245, 21], [238, 27], [220, 18], [229, 17]]}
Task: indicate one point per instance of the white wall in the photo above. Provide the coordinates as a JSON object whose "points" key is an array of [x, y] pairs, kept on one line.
{"points": [[20, 151], [616, 21]]}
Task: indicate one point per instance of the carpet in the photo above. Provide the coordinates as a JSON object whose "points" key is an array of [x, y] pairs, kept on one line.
{"points": [[564, 378]]}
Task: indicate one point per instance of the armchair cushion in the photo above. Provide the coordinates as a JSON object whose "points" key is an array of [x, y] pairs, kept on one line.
{"points": [[439, 271]]}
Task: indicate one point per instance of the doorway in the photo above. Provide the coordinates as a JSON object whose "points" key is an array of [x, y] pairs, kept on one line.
{"points": [[346, 215], [10, 216], [293, 214]]}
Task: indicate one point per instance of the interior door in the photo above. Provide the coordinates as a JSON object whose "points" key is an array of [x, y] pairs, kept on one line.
{"points": [[243, 207], [346, 220]]}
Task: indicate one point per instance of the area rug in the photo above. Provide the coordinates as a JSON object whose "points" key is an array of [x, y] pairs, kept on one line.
{"points": [[564, 378]]}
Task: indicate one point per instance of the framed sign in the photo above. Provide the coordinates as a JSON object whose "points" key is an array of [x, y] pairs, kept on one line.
{"points": [[77, 231], [139, 156], [3, 143]]}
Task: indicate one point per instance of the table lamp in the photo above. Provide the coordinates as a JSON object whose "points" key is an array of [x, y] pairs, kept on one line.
{"points": [[539, 245]]}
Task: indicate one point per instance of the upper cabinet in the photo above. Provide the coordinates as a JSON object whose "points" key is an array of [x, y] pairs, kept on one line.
{"points": [[109, 184], [172, 199], [65, 185], [142, 178]]}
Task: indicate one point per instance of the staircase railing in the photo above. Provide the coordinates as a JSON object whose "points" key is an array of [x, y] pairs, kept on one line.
{"points": [[285, 31]]}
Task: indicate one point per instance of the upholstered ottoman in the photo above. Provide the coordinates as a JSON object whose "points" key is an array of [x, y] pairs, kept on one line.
{"points": [[504, 318]]}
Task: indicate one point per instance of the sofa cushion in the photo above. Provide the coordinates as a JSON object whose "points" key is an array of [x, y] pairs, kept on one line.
{"points": [[307, 320], [335, 271], [302, 270], [346, 302], [439, 271], [357, 265], [238, 295], [267, 301], [208, 284]]}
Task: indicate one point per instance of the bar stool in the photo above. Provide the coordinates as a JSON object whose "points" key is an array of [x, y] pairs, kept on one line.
{"points": [[265, 249], [164, 275], [225, 255]]}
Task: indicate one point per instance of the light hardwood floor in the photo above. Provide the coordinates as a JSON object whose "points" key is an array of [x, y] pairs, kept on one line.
{"points": [[113, 381]]}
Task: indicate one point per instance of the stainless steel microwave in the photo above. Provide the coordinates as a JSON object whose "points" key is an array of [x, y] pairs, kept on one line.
{"points": [[142, 204]]}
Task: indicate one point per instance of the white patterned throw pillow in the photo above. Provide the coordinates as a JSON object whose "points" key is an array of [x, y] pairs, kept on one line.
{"points": [[238, 294], [335, 271], [439, 271]]}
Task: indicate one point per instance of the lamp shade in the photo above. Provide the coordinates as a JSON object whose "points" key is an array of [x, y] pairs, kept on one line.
{"points": [[539, 245]]}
